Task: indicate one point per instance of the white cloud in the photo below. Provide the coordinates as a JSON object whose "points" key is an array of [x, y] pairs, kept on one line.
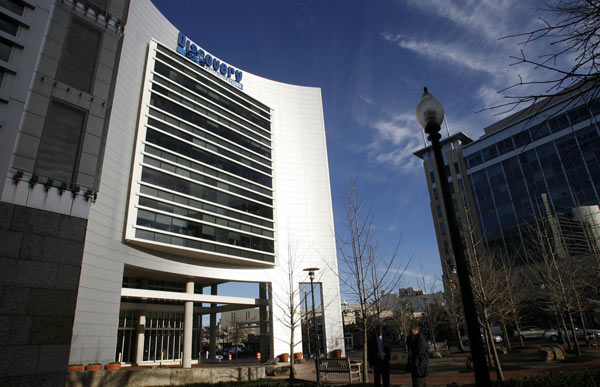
{"points": [[395, 139], [445, 52], [489, 18]]}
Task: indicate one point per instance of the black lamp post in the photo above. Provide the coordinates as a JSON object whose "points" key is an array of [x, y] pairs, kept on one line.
{"points": [[311, 275], [430, 115]]}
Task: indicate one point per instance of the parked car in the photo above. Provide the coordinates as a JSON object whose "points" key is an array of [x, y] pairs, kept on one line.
{"points": [[530, 332], [497, 338], [552, 333]]}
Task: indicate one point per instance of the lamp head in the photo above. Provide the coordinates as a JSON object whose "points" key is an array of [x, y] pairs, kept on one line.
{"points": [[311, 272], [429, 111]]}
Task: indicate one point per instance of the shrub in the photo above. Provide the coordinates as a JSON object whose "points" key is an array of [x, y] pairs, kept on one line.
{"points": [[579, 378]]}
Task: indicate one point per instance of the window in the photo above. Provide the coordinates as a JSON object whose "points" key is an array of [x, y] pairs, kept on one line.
{"points": [[489, 153], [13, 6], [58, 154], [2, 72], [439, 210], [5, 50], [79, 56], [579, 114], [522, 138], [559, 123], [474, 159], [7, 25], [505, 146], [541, 130]]}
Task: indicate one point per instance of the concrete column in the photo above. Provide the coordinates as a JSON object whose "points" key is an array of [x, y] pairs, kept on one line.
{"points": [[212, 345], [141, 328], [263, 319], [188, 315]]}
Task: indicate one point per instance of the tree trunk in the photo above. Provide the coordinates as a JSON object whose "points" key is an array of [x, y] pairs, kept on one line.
{"points": [[564, 325], [506, 338], [292, 367], [488, 350], [498, 366], [577, 349], [585, 335], [461, 345], [365, 349], [519, 333]]}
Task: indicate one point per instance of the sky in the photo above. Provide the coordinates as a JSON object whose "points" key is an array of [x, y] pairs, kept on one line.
{"points": [[372, 58]]}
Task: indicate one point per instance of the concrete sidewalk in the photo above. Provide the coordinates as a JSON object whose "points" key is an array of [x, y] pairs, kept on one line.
{"points": [[442, 376]]}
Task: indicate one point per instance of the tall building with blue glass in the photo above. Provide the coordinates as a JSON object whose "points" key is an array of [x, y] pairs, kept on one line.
{"points": [[540, 163]]}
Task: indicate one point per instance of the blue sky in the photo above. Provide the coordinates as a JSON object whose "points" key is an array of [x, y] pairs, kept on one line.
{"points": [[372, 58]]}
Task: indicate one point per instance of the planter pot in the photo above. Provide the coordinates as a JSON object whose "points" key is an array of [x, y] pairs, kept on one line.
{"points": [[337, 353], [297, 355], [93, 367], [75, 367], [113, 366], [284, 357]]}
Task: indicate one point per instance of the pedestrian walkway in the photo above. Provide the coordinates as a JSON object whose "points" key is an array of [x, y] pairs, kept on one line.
{"points": [[443, 376]]}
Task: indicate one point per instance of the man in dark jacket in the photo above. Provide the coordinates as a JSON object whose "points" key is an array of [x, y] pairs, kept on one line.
{"points": [[379, 352], [418, 358]]}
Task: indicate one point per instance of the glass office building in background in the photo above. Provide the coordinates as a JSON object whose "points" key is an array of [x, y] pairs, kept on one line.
{"points": [[541, 163], [529, 167]]}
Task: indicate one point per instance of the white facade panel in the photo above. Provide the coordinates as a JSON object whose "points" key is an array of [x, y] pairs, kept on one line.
{"points": [[302, 202]]}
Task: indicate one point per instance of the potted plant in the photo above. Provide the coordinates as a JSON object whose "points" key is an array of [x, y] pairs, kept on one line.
{"points": [[94, 367], [113, 366], [284, 357], [75, 367], [337, 353], [297, 355]]}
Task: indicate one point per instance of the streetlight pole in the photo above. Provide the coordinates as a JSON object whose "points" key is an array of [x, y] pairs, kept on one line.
{"points": [[430, 115], [311, 275]]}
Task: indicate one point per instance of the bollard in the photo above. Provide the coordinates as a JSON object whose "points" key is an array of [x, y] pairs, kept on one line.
{"points": [[258, 356]]}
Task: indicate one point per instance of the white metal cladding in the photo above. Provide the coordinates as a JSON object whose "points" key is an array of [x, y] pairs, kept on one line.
{"points": [[303, 214]]}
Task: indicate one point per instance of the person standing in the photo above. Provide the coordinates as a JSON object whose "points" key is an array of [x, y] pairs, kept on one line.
{"points": [[379, 352], [418, 358]]}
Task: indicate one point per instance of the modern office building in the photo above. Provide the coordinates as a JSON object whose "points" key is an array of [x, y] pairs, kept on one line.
{"points": [[540, 163], [141, 172], [462, 197]]}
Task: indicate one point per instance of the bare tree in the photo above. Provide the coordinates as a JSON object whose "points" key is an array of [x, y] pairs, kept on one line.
{"points": [[453, 304], [554, 272], [570, 30], [490, 296], [515, 300], [434, 313], [367, 273], [289, 300], [402, 317]]}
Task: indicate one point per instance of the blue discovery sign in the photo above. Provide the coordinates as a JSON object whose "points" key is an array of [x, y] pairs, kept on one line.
{"points": [[192, 51]]}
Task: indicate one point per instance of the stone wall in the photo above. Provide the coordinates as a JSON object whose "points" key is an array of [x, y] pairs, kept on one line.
{"points": [[165, 376], [40, 263]]}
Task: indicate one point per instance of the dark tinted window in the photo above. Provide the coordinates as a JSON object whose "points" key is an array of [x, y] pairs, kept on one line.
{"points": [[489, 153], [5, 50], [558, 123], [58, 153], [522, 138], [9, 26], [13, 6], [579, 114], [79, 56], [505, 146]]}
